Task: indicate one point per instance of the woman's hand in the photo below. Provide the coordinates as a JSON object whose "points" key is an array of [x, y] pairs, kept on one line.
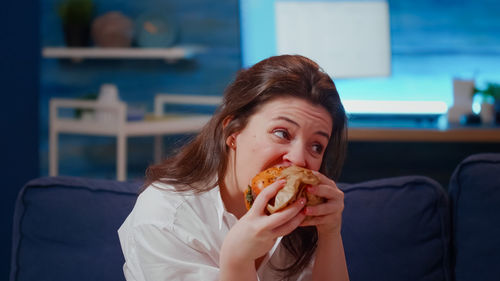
{"points": [[327, 217], [329, 262], [256, 232]]}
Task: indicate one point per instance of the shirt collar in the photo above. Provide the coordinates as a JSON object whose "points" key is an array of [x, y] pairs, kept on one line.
{"points": [[219, 206], [222, 213]]}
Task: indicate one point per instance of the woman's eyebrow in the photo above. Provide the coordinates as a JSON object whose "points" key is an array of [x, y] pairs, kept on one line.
{"points": [[324, 134], [287, 120], [321, 133]]}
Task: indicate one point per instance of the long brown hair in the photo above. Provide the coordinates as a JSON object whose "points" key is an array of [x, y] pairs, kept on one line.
{"points": [[196, 166]]}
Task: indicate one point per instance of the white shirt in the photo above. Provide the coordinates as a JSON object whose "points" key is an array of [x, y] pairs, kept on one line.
{"points": [[178, 236]]}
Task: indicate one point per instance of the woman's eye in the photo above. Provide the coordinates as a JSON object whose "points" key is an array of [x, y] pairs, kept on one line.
{"points": [[281, 133], [317, 148]]}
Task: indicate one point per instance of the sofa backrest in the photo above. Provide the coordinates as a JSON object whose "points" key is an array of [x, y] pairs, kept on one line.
{"points": [[397, 229], [65, 229], [475, 198]]}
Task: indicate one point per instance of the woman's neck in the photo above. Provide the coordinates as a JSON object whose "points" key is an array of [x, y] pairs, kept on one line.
{"points": [[232, 197]]}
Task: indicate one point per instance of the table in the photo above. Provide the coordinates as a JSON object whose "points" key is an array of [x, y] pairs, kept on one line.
{"points": [[449, 133], [111, 120]]}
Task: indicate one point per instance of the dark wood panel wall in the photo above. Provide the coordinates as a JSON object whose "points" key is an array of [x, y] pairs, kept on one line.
{"points": [[437, 160]]}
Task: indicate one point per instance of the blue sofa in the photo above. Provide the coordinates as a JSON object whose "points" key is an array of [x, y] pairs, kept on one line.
{"points": [[394, 229], [475, 205]]}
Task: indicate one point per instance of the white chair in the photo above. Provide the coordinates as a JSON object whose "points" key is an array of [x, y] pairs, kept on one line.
{"points": [[162, 99]]}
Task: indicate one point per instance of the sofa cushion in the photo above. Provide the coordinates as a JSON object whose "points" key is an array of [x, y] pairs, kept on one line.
{"points": [[475, 199], [397, 229], [65, 229]]}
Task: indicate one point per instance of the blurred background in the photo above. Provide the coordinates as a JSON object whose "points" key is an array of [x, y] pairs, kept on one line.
{"points": [[412, 55]]}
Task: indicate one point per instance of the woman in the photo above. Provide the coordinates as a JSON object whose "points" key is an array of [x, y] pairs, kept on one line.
{"points": [[190, 222]]}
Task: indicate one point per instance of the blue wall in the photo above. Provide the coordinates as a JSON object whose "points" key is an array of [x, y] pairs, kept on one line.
{"points": [[212, 24], [432, 42], [18, 117]]}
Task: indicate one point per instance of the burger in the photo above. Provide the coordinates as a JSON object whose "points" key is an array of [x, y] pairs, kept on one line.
{"points": [[297, 179]]}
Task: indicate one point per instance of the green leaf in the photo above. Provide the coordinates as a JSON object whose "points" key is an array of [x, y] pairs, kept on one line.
{"points": [[78, 12], [491, 90]]}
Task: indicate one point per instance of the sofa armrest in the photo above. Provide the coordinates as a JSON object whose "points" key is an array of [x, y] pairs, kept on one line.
{"points": [[65, 229], [475, 199]]}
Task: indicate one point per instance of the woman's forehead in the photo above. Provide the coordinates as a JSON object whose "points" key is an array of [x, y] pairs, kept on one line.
{"points": [[295, 108]]}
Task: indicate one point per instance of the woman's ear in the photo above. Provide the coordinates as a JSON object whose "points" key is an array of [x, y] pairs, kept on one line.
{"points": [[231, 141]]}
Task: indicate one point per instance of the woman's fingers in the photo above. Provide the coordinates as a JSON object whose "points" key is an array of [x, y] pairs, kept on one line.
{"points": [[282, 222], [323, 179], [327, 214], [327, 191], [289, 218], [287, 213], [266, 194], [327, 217], [290, 225], [324, 209]]}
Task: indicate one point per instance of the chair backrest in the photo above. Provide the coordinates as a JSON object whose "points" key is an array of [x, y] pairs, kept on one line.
{"points": [[162, 99], [475, 199], [65, 228], [103, 114], [397, 229]]}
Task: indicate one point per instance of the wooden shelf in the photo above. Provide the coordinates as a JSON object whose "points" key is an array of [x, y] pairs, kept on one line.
{"points": [[169, 54], [448, 134]]}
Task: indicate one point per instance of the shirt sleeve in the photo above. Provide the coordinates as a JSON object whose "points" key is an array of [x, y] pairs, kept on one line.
{"points": [[159, 254]]}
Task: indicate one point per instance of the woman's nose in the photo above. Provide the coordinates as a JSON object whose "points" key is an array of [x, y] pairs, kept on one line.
{"points": [[296, 155]]}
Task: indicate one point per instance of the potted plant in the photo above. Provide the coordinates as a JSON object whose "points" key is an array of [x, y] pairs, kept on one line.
{"points": [[492, 93], [76, 17]]}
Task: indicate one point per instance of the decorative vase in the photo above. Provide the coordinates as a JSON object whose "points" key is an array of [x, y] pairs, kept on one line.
{"points": [[113, 29], [156, 31], [487, 113], [462, 100]]}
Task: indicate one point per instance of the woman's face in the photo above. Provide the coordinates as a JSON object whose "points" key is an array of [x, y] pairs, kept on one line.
{"points": [[283, 132]]}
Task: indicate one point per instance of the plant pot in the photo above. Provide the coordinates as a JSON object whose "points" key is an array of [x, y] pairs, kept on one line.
{"points": [[77, 35]]}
